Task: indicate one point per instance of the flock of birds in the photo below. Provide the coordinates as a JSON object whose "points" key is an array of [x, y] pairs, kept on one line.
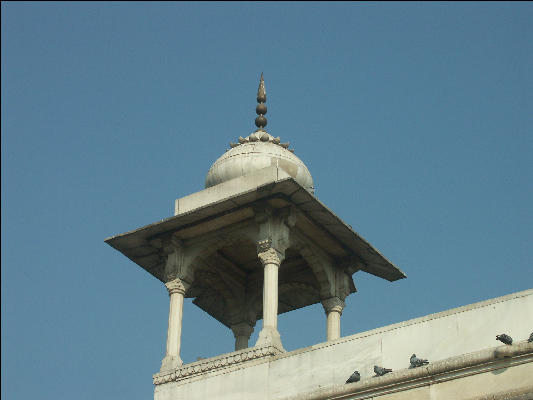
{"points": [[415, 362]]}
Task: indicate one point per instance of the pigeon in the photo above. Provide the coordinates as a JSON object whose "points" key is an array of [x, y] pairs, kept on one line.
{"points": [[505, 339], [417, 362], [530, 338], [355, 377], [381, 371]]}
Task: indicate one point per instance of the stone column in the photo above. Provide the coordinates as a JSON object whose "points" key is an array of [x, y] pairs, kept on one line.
{"points": [[271, 260], [176, 289], [242, 332], [333, 308]]}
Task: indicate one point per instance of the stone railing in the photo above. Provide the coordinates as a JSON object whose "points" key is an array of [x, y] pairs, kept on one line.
{"points": [[215, 363]]}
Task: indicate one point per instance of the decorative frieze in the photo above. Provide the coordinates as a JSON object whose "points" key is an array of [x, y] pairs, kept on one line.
{"points": [[215, 363]]}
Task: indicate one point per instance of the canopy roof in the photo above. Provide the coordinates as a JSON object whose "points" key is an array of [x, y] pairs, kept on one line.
{"points": [[220, 206]]}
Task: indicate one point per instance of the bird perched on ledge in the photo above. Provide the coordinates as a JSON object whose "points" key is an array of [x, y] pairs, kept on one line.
{"points": [[355, 377], [417, 362], [381, 371], [530, 338], [505, 339]]}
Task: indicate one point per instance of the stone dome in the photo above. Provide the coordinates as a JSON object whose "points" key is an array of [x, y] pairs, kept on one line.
{"points": [[257, 151]]}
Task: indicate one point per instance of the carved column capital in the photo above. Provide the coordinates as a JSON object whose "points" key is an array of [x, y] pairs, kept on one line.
{"points": [[242, 329], [269, 255], [177, 286], [242, 332], [333, 304]]}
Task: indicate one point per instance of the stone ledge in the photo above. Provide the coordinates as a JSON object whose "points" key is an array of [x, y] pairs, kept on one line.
{"points": [[448, 369], [215, 363]]}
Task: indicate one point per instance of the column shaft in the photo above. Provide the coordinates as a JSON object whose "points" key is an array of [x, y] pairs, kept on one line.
{"points": [[333, 325], [175, 316], [176, 289], [270, 296], [333, 308], [269, 335]]}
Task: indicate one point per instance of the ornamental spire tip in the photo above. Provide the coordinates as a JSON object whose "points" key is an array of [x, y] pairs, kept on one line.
{"points": [[261, 108]]}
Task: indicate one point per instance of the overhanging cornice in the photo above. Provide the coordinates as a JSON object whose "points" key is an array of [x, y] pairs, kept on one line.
{"points": [[138, 245]]}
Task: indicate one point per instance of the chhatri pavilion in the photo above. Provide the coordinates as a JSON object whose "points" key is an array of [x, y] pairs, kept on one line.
{"points": [[256, 243]]}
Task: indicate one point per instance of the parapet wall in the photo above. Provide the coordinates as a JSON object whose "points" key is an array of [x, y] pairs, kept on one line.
{"points": [[318, 372]]}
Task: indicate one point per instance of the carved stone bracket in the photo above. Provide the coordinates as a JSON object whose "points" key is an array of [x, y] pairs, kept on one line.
{"points": [[179, 258], [173, 251], [333, 304], [273, 228], [264, 245]]}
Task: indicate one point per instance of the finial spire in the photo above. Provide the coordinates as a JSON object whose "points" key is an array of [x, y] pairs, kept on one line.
{"points": [[261, 135], [261, 108]]}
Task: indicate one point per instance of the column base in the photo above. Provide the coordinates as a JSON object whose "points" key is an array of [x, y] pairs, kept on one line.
{"points": [[170, 363], [269, 337]]}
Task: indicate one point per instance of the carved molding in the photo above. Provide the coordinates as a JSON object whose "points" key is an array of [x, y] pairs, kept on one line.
{"points": [[177, 286], [215, 363], [333, 304]]}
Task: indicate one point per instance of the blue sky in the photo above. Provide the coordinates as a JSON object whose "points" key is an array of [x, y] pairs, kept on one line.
{"points": [[414, 120]]}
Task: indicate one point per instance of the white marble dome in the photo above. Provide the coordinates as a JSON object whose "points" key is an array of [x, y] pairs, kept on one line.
{"points": [[257, 151]]}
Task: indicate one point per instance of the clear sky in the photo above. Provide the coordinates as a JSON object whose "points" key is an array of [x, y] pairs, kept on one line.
{"points": [[415, 121]]}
